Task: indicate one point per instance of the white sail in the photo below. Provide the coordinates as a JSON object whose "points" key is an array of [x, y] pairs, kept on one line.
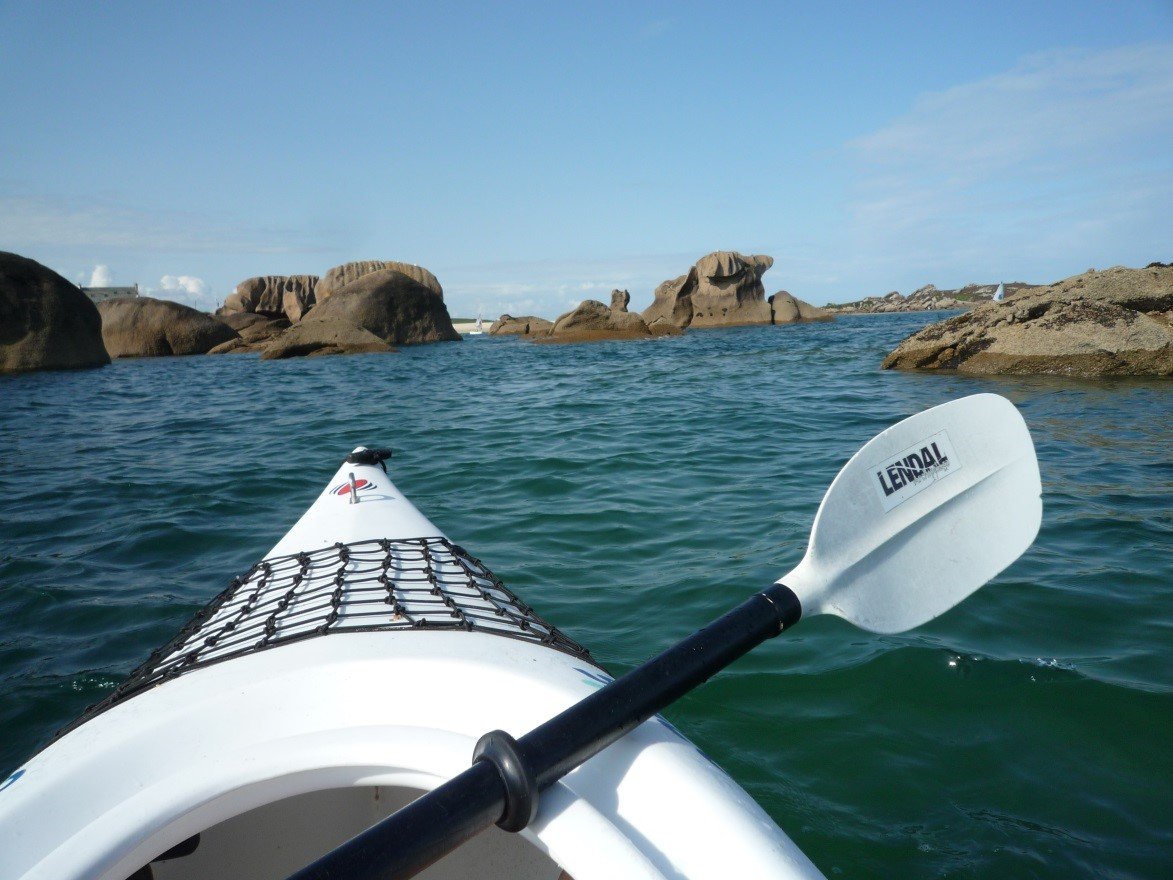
{"points": [[1000, 293]]}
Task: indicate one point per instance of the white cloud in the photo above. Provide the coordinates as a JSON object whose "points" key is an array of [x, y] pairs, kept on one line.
{"points": [[1057, 109], [101, 277], [29, 222], [187, 283], [186, 289], [1061, 162]]}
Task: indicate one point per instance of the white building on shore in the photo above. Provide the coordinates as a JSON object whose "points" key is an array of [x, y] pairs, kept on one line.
{"points": [[101, 294]]}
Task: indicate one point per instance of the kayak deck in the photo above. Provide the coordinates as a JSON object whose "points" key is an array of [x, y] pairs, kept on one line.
{"points": [[272, 759], [364, 586]]}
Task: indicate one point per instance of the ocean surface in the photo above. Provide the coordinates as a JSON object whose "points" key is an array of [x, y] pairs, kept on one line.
{"points": [[631, 492]]}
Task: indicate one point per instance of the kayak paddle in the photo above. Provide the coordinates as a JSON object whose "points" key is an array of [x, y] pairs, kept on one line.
{"points": [[919, 518]]}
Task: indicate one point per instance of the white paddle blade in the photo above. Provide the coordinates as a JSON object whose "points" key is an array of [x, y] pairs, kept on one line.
{"points": [[922, 516]]}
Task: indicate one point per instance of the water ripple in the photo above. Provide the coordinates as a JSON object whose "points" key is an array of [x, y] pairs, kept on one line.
{"points": [[631, 492]]}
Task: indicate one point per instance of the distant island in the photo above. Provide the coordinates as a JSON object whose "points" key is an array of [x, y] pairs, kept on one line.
{"points": [[927, 299]]}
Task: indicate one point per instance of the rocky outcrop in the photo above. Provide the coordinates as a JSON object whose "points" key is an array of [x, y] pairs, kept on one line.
{"points": [[233, 346], [928, 299], [389, 305], [255, 328], [672, 300], [322, 337], [145, 327], [788, 309], [1110, 323], [724, 289], [287, 296], [255, 331], [664, 327], [341, 276], [371, 314], [527, 325], [46, 323], [593, 321], [729, 290]]}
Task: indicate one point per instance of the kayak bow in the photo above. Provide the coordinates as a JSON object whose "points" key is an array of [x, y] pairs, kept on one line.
{"points": [[350, 670]]}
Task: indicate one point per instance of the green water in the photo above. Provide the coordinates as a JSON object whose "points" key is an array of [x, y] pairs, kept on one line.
{"points": [[631, 492]]}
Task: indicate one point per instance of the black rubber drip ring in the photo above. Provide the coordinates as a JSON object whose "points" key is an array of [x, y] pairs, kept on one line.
{"points": [[521, 791]]}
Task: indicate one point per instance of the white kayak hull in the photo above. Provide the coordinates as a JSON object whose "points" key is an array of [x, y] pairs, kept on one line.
{"points": [[277, 755]]}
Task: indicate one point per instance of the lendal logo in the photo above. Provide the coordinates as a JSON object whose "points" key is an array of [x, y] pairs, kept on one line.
{"points": [[915, 469], [359, 485]]}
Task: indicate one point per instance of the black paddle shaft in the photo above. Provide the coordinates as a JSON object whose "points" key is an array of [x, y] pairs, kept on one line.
{"points": [[502, 784]]}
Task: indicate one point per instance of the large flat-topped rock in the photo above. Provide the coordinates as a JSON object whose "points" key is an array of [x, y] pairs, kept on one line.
{"points": [[1111, 323], [317, 338], [525, 325]]}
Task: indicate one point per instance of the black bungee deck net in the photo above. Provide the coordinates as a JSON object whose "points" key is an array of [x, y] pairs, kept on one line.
{"points": [[422, 584]]}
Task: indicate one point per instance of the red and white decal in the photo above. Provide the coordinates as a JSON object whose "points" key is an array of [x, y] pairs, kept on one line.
{"points": [[359, 485]]}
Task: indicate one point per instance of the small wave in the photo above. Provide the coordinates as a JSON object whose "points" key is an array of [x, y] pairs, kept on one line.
{"points": [[1048, 663]]}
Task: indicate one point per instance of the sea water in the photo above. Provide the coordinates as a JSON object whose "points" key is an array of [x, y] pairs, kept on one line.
{"points": [[631, 492]]}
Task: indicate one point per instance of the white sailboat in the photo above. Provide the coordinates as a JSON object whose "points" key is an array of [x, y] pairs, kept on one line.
{"points": [[1000, 293], [479, 330]]}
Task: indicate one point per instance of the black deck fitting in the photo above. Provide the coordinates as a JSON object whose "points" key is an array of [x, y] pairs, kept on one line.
{"points": [[521, 790], [370, 456]]}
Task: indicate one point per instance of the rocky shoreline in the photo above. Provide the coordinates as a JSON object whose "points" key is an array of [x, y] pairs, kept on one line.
{"points": [[722, 289], [1115, 322], [1111, 323], [369, 306], [927, 299]]}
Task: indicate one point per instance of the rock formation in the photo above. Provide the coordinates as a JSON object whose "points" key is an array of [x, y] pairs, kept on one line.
{"points": [[288, 296], [724, 289], [46, 323], [145, 327], [928, 299], [394, 306], [729, 290], [527, 325], [788, 309], [593, 321], [672, 300], [322, 337], [1110, 323], [255, 331], [348, 273], [386, 305]]}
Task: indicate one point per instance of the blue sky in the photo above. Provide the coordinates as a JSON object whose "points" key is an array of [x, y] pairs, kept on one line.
{"points": [[533, 155]]}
